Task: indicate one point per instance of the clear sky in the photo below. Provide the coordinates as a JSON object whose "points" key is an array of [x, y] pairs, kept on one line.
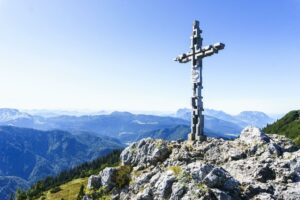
{"points": [[117, 55]]}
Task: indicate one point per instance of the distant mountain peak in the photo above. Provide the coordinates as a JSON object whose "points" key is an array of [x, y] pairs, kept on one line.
{"points": [[9, 114], [243, 119], [118, 113], [256, 118], [259, 113]]}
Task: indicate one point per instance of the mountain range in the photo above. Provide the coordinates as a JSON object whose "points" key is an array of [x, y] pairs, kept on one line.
{"points": [[122, 125], [35, 146], [27, 155], [243, 119], [128, 127]]}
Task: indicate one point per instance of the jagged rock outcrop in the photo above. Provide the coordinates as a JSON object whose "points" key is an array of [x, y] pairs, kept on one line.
{"points": [[254, 166]]}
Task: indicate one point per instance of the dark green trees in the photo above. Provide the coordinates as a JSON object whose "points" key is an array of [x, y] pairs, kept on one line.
{"points": [[81, 193], [289, 125]]}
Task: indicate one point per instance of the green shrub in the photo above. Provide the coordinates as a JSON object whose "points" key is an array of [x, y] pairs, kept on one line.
{"points": [[202, 187], [122, 176], [289, 126], [175, 169]]}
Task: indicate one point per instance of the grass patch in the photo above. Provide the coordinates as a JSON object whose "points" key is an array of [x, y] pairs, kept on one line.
{"points": [[202, 187], [176, 170], [102, 193], [68, 191], [137, 173]]}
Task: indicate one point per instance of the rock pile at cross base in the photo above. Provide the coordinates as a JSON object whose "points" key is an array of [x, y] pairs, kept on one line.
{"points": [[254, 166]]}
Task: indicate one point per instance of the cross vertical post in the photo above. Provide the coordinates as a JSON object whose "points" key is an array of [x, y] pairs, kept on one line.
{"points": [[196, 55], [197, 118]]}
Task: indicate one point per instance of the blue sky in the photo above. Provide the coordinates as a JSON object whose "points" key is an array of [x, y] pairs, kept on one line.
{"points": [[117, 55]]}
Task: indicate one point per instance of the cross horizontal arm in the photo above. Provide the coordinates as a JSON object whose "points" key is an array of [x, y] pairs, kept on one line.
{"points": [[200, 53]]}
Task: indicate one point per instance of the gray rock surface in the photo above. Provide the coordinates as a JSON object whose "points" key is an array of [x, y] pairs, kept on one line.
{"points": [[107, 176], [94, 182], [145, 152], [253, 166]]}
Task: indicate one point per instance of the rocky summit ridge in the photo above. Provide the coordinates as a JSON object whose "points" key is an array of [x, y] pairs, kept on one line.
{"points": [[253, 166]]}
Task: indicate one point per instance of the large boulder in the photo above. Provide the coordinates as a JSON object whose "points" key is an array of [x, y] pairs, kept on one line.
{"points": [[199, 170], [94, 182], [146, 152], [252, 136], [107, 177], [219, 178]]}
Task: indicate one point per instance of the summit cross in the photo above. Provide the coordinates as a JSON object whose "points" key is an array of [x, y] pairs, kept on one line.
{"points": [[196, 55]]}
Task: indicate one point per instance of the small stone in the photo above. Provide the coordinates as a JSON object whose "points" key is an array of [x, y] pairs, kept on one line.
{"points": [[236, 154], [216, 178]]}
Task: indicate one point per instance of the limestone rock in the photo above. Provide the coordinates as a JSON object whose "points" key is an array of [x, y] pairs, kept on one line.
{"points": [[145, 152], [145, 195], [107, 176], [263, 196], [220, 195], [94, 182], [164, 185], [219, 178], [264, 174], [199, 170], [252, 135], [178, 191], [253, 166]]}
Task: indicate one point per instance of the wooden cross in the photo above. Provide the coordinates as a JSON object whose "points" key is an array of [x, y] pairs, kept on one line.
{"points": [[196, 55]]}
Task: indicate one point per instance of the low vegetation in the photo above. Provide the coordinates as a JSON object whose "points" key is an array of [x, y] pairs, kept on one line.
{"points": [[69, 190], [202, 187], [122, 177], [176, 170], [289, 126], [72, 179]]}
